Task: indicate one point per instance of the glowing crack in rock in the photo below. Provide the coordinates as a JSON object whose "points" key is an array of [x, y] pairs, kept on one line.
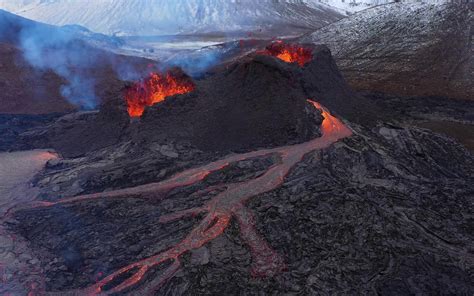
{"points": [[289, 53], [219, 210], [154, 89]]}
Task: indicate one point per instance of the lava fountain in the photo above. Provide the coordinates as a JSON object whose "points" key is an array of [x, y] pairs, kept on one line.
{"points": [[290, 53], [155, 88], [218, 212]]}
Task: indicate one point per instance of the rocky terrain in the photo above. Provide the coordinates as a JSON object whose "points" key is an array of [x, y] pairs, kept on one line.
{"points": [[16, 171], [11, 125], [365, 211], [405, 49], [367, 205], [453, 118], [270, 175]]}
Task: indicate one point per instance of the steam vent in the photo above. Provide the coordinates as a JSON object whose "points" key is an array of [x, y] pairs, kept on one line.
{"points": [[232, 159]]}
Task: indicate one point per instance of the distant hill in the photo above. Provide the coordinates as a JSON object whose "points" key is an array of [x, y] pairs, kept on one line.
{"points": [[416, 49]]}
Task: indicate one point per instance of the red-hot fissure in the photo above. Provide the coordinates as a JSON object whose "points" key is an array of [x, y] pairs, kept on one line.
{"points": [[290, 53]]}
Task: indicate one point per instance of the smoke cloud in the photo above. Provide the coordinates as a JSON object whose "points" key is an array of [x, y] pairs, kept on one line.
{"points": [[196, 63], [68, 52], [48, 48]]}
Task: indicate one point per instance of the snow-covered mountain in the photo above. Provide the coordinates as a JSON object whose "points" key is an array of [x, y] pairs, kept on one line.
{"points": [[416, 49], [158, 17], [351, 6]]}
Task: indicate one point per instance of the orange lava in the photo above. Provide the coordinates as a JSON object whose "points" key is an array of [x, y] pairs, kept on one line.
{"points": [[330, 125], [218, 212], [290, 53], [154, 89]]}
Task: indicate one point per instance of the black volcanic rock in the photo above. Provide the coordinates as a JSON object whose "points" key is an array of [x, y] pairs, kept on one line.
{"points": [[96, 131], [256, 102], [75, 134], [386, 210], [323, 82]]}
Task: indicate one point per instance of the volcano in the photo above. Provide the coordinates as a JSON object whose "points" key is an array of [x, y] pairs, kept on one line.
{"points": [[265, 175], [256, 102], [259, 101]]}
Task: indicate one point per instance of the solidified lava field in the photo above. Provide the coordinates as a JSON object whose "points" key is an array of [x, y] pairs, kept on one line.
{"points": [[269, 176]]}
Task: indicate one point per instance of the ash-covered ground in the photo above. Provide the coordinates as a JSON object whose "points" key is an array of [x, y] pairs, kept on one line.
{"points": [[384, 211]]}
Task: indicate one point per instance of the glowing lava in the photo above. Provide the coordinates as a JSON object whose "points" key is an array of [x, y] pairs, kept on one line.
{"points": [[218, 211], [290, 53], [154, 89]]}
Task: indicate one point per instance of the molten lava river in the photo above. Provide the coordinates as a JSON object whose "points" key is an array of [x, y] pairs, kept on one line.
{"points": [[154, 89], [218, 211]]}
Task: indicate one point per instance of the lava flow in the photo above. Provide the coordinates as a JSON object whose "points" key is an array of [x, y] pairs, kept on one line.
{"points": [[290, 53], [154, 89], [218, 211]]}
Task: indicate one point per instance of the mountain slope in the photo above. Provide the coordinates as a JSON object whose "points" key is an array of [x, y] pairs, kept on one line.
{"points": [[157, 17], [417, 49], [26, 89], [46, 69], [352, 6], [349, 7]]}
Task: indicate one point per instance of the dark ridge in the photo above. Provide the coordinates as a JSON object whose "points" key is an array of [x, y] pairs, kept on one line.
{"points": [[324, 83], [256, 102]]}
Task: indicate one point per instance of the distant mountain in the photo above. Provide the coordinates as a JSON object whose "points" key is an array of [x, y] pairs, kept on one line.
{"points": [[159, 17], [352, 6], [349, 6], [415, 49]]}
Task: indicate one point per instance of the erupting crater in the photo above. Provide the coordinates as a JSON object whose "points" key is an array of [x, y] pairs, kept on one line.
{"points": [[290, 53], [155, 88]]}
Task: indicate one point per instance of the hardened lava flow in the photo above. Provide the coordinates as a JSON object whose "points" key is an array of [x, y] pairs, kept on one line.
{"points": [[219, 211]]}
